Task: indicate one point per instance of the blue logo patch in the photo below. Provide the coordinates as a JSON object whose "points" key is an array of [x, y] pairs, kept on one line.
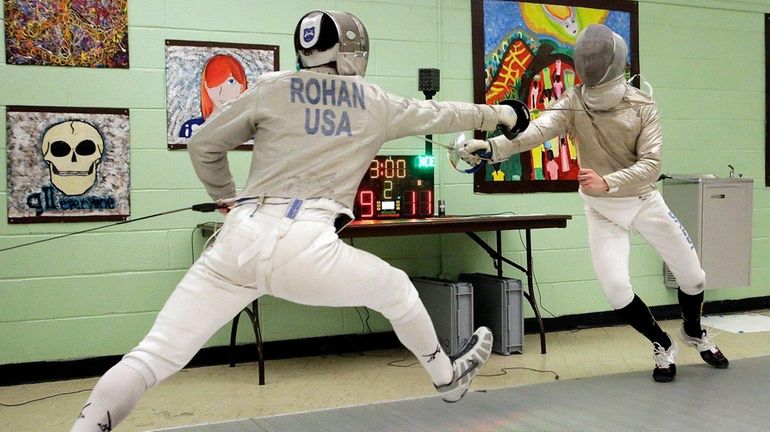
{"points": [[308, 34], [293, 209]]}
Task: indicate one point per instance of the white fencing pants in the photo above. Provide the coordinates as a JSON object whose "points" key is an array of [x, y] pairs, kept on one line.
{"points": [[260, 251], [609, 222]]}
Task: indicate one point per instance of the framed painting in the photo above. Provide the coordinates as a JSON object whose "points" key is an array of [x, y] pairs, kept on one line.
{"points": [[84, 33], [67, 164], [202, 76], [524, 51]]}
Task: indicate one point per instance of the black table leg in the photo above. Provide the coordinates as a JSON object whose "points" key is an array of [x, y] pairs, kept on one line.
{"points": [[499, 259], [254, 317], [531, 297], [253, 314]]}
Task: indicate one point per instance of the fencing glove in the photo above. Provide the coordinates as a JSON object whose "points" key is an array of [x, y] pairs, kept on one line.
{"points": [[506, 115], [472, 151]]}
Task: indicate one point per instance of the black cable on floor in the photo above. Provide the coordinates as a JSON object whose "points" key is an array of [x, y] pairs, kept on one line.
{"points": [[504, 371], [393, 363], [45, 397]]}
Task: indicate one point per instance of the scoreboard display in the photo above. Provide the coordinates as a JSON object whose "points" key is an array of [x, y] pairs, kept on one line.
{"points": [[396, 187]]}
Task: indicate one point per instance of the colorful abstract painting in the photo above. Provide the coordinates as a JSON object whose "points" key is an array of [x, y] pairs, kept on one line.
{"points": [[524, 51], [202, 76], [86, 33], [67, 164]]}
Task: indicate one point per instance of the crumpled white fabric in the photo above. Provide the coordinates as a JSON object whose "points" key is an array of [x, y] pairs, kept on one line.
{"points": [[605, 96]]}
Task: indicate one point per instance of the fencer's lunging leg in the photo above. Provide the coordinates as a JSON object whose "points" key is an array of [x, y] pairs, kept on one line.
{"points": [[342, 275], [112, 399], [638, 316], [184, 324], [610, 249], [415, 330]]}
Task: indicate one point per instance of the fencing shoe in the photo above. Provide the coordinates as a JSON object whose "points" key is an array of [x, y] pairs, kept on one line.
{"points": [[706, 347], [466, 364], [665, 369]]}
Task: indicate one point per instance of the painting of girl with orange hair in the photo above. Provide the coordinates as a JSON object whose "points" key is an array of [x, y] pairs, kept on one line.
{"points": [[202, 77]]}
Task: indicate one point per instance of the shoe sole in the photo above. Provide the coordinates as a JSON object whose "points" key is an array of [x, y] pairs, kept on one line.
{"points": [[665, 378], [455, 400], [718, 366]]}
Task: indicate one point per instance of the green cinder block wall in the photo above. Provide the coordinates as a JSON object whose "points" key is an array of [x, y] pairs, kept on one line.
{"points": [[97, 294]]}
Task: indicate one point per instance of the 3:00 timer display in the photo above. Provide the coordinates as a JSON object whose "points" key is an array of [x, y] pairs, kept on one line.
{"points": [[396, 187]]}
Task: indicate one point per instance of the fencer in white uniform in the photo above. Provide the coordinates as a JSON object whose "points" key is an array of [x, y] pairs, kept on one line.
{"points": [[315, 133], [617, 131]]}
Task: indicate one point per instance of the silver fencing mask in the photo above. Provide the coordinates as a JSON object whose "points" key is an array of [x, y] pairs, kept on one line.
{"points": [[326, 37], [600, 62]]}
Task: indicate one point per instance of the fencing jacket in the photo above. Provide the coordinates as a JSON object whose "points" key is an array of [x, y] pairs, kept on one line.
{"points": [[316, 134], [622, 144]]}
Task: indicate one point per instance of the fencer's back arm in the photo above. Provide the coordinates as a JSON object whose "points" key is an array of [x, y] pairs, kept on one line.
{"points": [[232, 126]]}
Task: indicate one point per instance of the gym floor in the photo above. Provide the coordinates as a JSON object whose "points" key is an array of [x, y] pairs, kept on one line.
{"points": [[220, 393]]}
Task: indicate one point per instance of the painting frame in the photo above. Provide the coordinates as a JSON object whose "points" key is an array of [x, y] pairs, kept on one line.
{"points": [[52, 179], [187, 101], [480, 35]]}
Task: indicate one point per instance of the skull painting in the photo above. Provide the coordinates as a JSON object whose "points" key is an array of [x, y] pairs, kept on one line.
{"points": [[72, 149]]}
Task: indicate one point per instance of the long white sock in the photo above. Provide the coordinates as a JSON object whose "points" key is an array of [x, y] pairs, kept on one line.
{"points": [[114, 396], [418, 335]]}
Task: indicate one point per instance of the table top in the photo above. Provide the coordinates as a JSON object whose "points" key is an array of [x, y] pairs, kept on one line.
{"points": [[452, 224]]}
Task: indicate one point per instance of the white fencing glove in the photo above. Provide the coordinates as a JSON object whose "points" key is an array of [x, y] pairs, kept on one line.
{"points": [[506, 115], [471, 150]]}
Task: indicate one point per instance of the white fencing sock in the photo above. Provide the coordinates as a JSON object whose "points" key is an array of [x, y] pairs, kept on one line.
{"points": [[114, 396], [417, 333]]}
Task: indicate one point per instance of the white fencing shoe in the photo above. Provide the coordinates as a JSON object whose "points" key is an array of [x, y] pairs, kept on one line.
{"points": [[706, 347], [466, 364], [665, 363]]}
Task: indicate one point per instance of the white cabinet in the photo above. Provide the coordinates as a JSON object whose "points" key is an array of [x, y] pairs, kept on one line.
{"points": [[716, 212]]}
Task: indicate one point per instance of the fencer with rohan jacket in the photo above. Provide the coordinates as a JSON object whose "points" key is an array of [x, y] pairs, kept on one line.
{"points": [[315, 132]]}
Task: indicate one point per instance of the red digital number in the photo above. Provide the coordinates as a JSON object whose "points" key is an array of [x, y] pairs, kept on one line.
{"points": [[366, 201], [426, 203], [410, 203]]}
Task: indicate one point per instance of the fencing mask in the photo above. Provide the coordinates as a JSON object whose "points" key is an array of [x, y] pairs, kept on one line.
{"points": [[331, 37], [600, 62]]}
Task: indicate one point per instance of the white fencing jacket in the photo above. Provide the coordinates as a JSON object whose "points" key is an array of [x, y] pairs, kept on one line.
{"points": [[316, 134], [622, 144]]}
